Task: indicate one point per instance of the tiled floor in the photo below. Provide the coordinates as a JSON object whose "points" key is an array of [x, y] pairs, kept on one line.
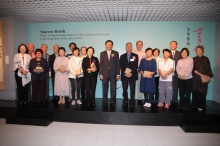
{"points": [[75, 134]]}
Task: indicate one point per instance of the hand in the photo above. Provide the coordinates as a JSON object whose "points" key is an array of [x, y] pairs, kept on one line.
{"points": [[101, 77], [182, 77], [42, 70], [208, 79], [63, 70], [163, 76], [117, 78], [35, 70], [24, 72], [93, 69], [77, 75], [128, 75], [148, 76]]}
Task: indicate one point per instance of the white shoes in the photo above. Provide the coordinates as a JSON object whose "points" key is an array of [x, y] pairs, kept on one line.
{"points": [[73, 102], [200, 109], [78, 102], [147, 104]]}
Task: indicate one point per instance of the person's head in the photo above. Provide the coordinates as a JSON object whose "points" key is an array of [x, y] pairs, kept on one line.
{"points": [[166, 53], [108, 45], [22, 49], [38, 53], [83, 50], [139, 45], [149, 52], [128, 47], [61, 51], [90, 51], [199, 50], [184, 52], [30, 47], [72, 45], [75, 51], [173, 45], [156, 52], [44, 48], [55, 49]]}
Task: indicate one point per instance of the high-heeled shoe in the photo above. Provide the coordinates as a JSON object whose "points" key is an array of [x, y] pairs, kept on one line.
{"points": [[63, 100], [159, 104], [60, 101]]}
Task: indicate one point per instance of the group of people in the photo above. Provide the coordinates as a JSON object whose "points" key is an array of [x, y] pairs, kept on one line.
{"points": [[75, 73]]}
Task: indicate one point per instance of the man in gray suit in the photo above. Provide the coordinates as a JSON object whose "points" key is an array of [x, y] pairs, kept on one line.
{"points": [[175, 55], [109, 70]]}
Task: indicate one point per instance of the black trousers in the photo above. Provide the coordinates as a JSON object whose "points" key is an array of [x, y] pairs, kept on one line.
{"points": [[125, 90], [22, 90], [39, 88], [76, 85], [105, 85], [90, 82], [175, 88], [148, 97], [185, 87], [83, 89], [157, 90], [198, 100]]}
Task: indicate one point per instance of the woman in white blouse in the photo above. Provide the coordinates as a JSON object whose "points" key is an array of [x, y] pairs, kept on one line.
{"points": [[61, 86], [75, 75], [22, 74]]}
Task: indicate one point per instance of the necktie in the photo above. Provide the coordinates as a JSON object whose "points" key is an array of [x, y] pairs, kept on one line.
{"points": [[173, 54], [128, 57], [108, 55]]}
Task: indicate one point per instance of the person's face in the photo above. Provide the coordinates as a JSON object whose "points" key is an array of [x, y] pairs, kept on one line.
{"points": [[156, 53], [22, 49], [166, 54], [90, 52], [44, 48], [173, 46], [184, 54], [139, 45], [149, 53], [76, 53], [38, 55], [199, 52], [83, 51], [108, 46], [61, 53], [72, 46], [129, 48], [30, 48], [55, 49]]}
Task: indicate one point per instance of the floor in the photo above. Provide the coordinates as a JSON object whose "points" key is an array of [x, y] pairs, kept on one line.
{"points": [[75, 134]]}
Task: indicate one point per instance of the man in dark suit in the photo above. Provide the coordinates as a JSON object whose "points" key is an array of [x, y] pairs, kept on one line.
{"points": [[129, 60], [175, 55], [109, 70], [51, 62]]}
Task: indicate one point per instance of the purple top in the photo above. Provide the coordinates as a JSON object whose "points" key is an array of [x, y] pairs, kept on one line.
{"points": [[185, 64]]}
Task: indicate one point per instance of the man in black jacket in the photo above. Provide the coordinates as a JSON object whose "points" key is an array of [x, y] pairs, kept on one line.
{"points": [[129, 65], [51, 62]]}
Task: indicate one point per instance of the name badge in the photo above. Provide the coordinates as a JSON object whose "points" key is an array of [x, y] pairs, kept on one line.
{"points": [[131, 60]]}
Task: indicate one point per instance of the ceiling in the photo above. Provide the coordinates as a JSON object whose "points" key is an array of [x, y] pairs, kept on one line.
{"points": [[47, 11]]}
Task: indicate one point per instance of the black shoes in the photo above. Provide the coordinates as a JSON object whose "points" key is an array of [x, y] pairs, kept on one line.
{"points": [[112, 105], [174, 104], [140, 102], [131, 105], [124, 105], [105, 104]]}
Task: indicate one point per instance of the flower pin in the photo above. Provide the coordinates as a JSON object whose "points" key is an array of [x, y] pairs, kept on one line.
{"points": [[94, 61], [113, 55], [134, 57]]}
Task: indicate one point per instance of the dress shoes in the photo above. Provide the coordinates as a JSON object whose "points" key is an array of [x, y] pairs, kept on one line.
{"points": [[140, 102], [125, 105], [105, 104], [112, 105], [174, 104], [131, 105]]}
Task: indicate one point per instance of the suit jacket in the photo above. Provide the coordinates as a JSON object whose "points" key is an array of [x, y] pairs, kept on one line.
{"points": [[86, 65], [133, 65], [177, 57], [43, 64], [109, 68], [51, 62]]}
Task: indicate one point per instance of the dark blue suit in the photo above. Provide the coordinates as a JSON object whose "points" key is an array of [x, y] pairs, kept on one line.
{"points": [[132, 64]]}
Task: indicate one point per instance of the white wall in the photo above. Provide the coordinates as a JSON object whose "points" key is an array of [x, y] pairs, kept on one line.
{"points": [[216, 80], [15, 32]]}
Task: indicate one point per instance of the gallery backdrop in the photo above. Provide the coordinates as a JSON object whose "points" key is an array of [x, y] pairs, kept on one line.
{"points": [[153, 34]]}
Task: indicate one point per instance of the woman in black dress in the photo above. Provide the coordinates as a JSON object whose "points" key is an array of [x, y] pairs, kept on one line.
{"points": [[90, 66], [202, 73]]}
